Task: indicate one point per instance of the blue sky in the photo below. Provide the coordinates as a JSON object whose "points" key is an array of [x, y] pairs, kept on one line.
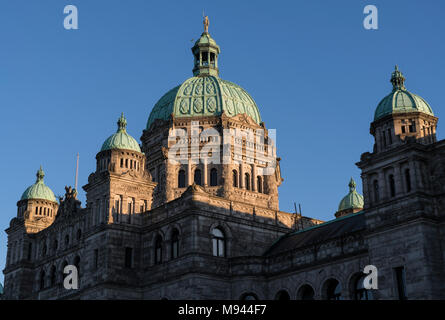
{"points": [[315, 72]]}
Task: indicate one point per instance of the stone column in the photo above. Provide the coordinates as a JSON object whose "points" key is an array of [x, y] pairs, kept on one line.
{"points": [[241, 173], [205, 174], [382, 186], [366, 188], [398, 180], [189, 172], [253, 177], [419, 175]]}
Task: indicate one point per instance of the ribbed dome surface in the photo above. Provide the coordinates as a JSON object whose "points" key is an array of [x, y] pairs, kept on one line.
{"points": [[401, 101], [205, 96], [39, 190], [121, 139]]}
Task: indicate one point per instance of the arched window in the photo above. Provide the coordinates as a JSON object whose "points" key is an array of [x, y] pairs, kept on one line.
{"points": [[306, 292], [259, 183], [235, 178], [158, 250], [408, 180], [42, 280], [53, 276], [360, 293], [392, 186], [247, 181], [282, 295], [249, 296], [197, 177], [218, 242], [175, 244], [181, 179], [376, 190], [332, 290], [213, 177]]}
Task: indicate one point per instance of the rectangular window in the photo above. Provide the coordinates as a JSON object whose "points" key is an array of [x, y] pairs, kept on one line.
{"points": [[128, 257], [403, 129], [401, 282]]}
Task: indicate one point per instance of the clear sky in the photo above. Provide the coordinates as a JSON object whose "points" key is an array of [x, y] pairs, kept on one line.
{"points": [[315, 72]]}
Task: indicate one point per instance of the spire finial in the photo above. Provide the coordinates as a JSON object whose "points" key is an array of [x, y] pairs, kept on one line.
{"points": [[122, 123], [206, 24], [40, 174], [352, 185], [397, 79]]}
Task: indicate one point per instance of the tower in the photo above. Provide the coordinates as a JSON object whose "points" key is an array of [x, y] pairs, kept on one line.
{"points": [[120, 188], [402, 210], [36, 211]]}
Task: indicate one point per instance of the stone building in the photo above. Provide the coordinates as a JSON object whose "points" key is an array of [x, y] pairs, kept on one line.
{"points": [[193, 212]]}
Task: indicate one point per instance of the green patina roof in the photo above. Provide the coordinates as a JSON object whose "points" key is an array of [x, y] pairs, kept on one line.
{"points": [[353, 200], [39, 190], [400, 99], [204, 96], [121, 139], [206, 39]]}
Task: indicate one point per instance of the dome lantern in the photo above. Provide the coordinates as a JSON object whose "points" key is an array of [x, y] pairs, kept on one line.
{"points": [[397, 80], [205, 52]]}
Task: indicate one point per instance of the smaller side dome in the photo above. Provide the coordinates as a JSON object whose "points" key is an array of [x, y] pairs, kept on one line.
{"points": [[351, 203], [400, 99], [121, 139], [39, 190]]}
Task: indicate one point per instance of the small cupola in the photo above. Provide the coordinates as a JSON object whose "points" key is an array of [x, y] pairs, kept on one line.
{"points": [[205, 52]]}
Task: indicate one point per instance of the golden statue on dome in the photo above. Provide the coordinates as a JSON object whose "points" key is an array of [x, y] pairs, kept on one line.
{"points": [[206, 24]]}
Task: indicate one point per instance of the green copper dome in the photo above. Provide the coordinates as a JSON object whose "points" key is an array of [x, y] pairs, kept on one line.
{"points": [[205, 96], [400, 99], [121, 139], [39, 190], [353, 200]]}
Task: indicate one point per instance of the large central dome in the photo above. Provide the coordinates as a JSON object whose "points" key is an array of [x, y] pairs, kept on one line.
{"points": [[205, 94]]}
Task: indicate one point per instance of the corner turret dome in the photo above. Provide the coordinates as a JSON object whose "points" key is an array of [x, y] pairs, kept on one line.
{"points": [[39, 190], [205, 94], [351, 203], [121, 139], [401, 100]]}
